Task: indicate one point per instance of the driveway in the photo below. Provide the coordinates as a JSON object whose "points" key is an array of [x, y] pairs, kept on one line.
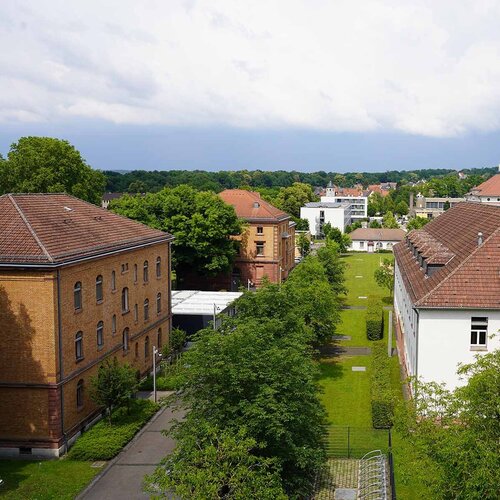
{"points": [[123, 477]]}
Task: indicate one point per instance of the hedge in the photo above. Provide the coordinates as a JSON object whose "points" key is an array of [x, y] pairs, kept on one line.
{"points": [[103, 441], [374, 320], [382, 401]]}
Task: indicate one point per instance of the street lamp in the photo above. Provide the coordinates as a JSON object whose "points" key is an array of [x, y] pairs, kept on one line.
{"points": [[216, 308], [249, 284], [155, 353]]}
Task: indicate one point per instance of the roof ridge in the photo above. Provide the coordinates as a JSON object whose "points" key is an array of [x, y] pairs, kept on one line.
{"points": [[30, 229], [460, 266]]}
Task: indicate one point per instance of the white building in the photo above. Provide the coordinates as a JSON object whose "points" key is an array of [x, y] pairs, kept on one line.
{"points": [[447, 292], [320, 213], [353, 196], [373, 239], [487, 192]]}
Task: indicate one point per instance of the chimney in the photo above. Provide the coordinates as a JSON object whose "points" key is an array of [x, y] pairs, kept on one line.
{"points": [[411, 200], [479, 239]]}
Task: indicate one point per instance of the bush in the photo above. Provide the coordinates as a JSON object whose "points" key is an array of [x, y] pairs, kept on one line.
{"points": [[171, 378], [104, 440], [382, 402], [374, 320]]}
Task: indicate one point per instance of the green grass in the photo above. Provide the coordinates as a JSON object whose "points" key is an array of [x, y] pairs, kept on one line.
{"points": [[364, 264], [52, 479], [353, 324]]}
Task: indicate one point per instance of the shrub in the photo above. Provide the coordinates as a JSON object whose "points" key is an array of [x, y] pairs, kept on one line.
{"points": [[374, 320], [171, 378], [382, 403], [104, 440], [177, 339]]}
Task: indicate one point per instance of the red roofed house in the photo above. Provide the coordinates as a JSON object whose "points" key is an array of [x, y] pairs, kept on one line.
{"points": [[78, 285], [447, 292], [268, 244], [487, 192]]}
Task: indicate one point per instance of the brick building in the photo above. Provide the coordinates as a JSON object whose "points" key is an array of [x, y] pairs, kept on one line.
{"points": [[267, 247], [78, 285]]}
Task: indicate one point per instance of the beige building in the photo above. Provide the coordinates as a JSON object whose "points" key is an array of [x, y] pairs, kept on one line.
{"points": [[78, 285]]}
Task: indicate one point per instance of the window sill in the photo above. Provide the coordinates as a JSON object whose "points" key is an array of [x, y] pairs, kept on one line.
{"points": [[99, 302], [79, 311], [114, 291], [79, 360], [125, 312], [478, 348], [100, 347], [80, 408]]}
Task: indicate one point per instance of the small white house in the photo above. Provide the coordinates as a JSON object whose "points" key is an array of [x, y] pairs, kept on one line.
{"points": [[447, 292], [372, 239], [320, 213]]}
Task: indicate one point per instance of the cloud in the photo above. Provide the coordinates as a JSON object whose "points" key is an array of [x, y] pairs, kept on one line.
{"points": [[419, 66]]}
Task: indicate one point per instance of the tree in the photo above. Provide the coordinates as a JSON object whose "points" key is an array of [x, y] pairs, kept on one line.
{"points": [[417, 223], [334, 234], [329, 256], [113, 386], [402, 208], [384, 275], [48, 165], [302, 224], [389, 221], [290, 199], [203, 226], [375, 224], [304, 244]]}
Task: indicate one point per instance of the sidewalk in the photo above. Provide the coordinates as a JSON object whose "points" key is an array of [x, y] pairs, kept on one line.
{"points": [[123, 476]]}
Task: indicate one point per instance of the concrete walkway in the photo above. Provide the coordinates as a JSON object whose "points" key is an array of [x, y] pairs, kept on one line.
{"points": [[123, 476]]}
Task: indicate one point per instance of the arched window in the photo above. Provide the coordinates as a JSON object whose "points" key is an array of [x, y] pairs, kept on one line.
{"points": [[113, 281], [158, 303], [135, 273], [98, 289], [100, 334], [146, 348], [136, 312], [145, 269], [113, 324], [158, 343], [379, 245], [77, 295], [125, 300], [79, 346], [137, 349], [146, 309], [389, 246], [158, 267], [79, 393], [125, 340]]}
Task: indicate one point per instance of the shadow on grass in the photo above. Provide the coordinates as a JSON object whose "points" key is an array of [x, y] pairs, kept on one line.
{"points": [[387, 300], [329, 369], [13, 474]]}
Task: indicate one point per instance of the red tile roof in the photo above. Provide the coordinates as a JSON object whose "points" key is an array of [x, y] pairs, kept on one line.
{"points": [[250, 206], [369, 233], [469, 275], [491, 187], [50, 229]]}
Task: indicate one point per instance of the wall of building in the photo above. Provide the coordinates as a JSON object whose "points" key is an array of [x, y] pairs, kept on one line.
{"points": [[444, 342], [337, 217], [362, 245]]}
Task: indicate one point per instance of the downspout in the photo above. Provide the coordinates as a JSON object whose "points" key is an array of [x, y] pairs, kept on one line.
{"points": [[59, 333], [416, 350]]}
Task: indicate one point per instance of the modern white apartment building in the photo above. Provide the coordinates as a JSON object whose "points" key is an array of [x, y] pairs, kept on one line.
{"points": [[320, 213], [355, 197]]}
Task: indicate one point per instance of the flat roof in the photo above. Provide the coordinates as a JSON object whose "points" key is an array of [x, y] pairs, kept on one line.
{"points": [[326, 204], [196, 302]]}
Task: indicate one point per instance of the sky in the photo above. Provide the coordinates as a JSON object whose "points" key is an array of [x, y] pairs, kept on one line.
{"points": [[334, 85]]}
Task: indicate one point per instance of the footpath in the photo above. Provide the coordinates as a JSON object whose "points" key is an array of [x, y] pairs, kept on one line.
{"points": [[123, 476]]}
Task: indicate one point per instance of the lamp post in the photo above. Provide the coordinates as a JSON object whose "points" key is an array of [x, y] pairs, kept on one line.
{"points": [[249, 284], [216, 308], [155, 353]]}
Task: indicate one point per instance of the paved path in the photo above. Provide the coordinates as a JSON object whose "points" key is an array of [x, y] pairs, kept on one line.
{"points": [[123, 476]]}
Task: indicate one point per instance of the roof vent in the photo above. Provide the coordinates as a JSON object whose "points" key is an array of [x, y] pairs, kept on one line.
{"points": [[68, 209], [256, 204], [479, 239]]}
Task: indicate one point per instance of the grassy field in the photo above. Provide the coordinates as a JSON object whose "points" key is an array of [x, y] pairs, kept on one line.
{"points": [[50, 479]]}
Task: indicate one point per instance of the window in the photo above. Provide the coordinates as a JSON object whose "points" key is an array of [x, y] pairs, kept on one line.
{"points": [[158, 343], [125, 300], [77, 295], [125, 267], [113, 324], [125, 340], [137, 349], [361, 244], [135, 273], [145, 272], [146, 309], [98, 289], [146, 348], [260, 230], [259, 247], [113, 281], [158, 303], [136, 312], [79, 346], [479, 328], [100, 334], [79, 393], [158, 267]]}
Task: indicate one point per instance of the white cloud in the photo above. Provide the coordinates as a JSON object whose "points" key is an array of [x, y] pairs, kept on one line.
{"points": [[422, 67]]}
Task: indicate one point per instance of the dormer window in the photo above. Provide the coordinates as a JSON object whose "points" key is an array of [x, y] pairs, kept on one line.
{"points": [[256, 204]]}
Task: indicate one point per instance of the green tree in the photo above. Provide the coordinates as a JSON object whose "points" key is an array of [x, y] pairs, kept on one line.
{"points": [[302, 225], [335, 234], [113, 386], [48, 165], [290, 199], [389, 221], [334, 266], [417, 223], [375, 224], [203, 226], [402, 208], [304, 244], [384, 275]]}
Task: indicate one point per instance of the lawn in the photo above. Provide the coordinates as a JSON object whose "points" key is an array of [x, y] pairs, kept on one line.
{"points": [[50, 479], [364, 265]]}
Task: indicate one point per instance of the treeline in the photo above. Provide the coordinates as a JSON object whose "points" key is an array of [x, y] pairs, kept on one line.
{"points": [[138, 181], [255, 424]]}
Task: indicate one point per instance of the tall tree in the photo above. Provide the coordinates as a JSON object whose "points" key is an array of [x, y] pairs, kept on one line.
{"points": [[384, 275], [290, 199], [48, 165], [389, 221]]}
